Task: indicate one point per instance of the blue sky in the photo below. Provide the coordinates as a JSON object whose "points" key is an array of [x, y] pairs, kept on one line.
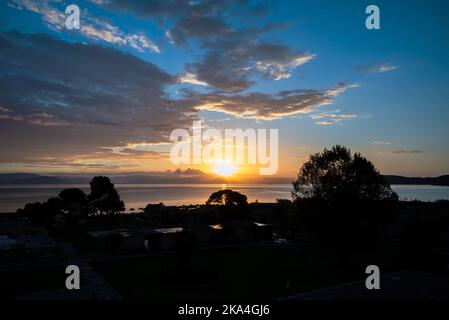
{"points": [[392, 103]]}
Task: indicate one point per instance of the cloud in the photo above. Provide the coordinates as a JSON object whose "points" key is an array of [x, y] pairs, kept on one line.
{"points": [[382, 143], [325, 123], [101, 159], [228, 63], [188, 172], [42, 119], [54, 18], [231, 55], [65, 99], [104, 31], [333, 115], [178, 9], [192, 79], [3, 109], [333, 118], [260, 106], [377, 68], [91, 27], [403, 151]]}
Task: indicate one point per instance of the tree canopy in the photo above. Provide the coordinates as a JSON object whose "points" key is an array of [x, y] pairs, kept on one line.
{"points": [[227, 197], [72, 197], [72, 204], [104, 197], [337, 175]]}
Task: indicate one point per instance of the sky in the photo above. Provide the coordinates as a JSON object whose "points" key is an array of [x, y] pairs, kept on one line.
{"points": [[105, 98]]}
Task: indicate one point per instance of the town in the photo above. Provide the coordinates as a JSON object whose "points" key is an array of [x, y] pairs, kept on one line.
{"points": [[268, 250]]}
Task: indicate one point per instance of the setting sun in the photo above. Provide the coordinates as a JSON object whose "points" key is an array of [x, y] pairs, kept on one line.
{"points": [[225, 169]]}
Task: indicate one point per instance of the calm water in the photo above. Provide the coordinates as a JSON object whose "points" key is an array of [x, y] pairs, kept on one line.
{"points": [[139, 195]]}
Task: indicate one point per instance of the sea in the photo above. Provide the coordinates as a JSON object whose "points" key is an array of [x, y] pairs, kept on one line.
{"points": [[138, 196]]}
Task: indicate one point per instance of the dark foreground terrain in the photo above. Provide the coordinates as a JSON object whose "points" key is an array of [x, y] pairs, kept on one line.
{"points": [[271, 251]]}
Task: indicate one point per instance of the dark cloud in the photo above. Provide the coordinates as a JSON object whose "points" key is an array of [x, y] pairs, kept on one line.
{"points": [[260, 106], [227, 64], [230, 54], [188, 172], [402, 151], [177, 9], [59, 97], [82, 104]]}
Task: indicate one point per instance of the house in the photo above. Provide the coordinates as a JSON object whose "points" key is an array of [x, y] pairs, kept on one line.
{"points": [[168, 237], [206, 234], [100, 241], [132, 240]]}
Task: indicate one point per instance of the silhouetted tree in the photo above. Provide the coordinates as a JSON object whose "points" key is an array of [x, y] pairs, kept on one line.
{"points": [[72, 197], [42, 213], [75, 206], [337, 175], [55, 204], [104, 197], [230, 205], [227, 197]]}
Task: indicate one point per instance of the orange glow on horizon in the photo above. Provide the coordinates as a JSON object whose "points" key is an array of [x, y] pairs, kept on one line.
{"points": [[224, 168]]}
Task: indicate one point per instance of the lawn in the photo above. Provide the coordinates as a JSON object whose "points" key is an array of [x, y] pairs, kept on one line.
{"points": [[259, 271]]}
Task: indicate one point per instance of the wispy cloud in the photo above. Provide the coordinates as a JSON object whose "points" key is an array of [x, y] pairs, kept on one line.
{"points": [[404, 151], [382, 142], [332, 117], [39, 118], [325, 123], [104, 31], [377, 68], [94, 28], [192, 79], [101, 96], [266, 107], [3, 109], [230, 54], [54, 18]]}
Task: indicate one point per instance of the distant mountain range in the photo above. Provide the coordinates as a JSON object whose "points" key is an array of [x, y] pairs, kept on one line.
{"points": [[29, 178], [188, 176], [436, 181]]}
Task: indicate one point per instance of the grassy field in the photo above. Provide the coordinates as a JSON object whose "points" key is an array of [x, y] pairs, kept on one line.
{"points": [[260, 271]]}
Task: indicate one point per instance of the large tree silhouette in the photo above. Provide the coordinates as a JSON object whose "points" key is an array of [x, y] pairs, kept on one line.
{"points": [[227, 197], [72, 197], [337, 175], [104, 197]]}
